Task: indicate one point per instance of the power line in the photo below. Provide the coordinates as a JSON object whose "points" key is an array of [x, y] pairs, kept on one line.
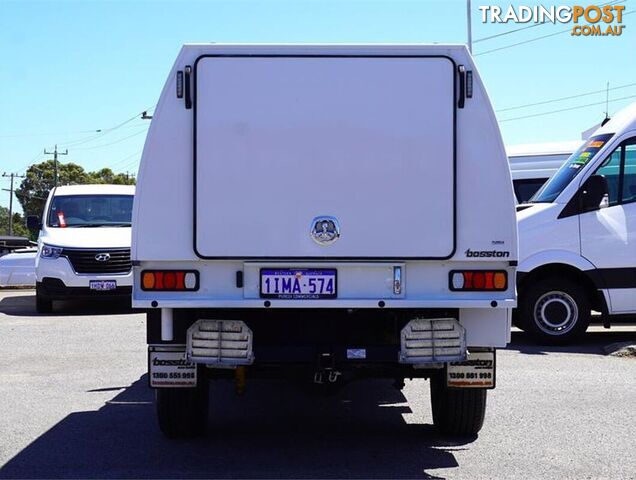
{"points": [[143, 130], [135, 162], [566, 109], [47, 134], [483, 39], [106, 131], [533, 39], [524, 42], [564, 98], [119, 162], [93, 133], [25, 167]]}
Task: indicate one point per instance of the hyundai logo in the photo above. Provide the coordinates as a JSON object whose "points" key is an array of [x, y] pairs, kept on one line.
{"points": [[102, 257]]}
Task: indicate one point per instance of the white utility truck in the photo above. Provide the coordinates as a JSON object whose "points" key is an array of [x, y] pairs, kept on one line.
{"points": [[324, 213], [577, 238], [83, 244]]}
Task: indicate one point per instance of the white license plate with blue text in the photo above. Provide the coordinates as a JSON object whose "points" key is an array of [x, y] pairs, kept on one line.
{"points": [[102, 285], [298, 284]]}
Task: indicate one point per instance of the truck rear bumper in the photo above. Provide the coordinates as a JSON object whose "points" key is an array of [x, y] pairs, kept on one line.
{"points": [[180, 303]]}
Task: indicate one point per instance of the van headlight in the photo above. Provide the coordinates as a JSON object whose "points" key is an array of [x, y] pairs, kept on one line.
{"points": [[49, 251]]}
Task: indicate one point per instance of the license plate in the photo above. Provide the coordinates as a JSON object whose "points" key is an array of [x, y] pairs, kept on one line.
{"points": [[299, 284], [478, 371], [170, 369], [102, 285]]}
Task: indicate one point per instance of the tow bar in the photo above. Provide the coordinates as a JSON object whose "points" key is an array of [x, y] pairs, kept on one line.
{"points": [[326, 373]]}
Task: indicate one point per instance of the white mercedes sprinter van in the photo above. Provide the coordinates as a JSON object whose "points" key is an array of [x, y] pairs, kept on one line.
{"points": [[577, 238], [323, 213], [84, 244]]}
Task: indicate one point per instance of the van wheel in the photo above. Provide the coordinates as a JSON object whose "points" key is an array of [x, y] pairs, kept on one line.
{"points": [[554, 311], [43, 304], [457, 412], [183, 412]]}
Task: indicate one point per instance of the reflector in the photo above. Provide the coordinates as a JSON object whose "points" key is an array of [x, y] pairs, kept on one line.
{"points": [[170, 280], [478, 280]]}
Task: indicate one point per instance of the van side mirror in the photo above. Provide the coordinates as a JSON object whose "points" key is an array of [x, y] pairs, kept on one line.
{"points": [[33, 223], [594, 193]]}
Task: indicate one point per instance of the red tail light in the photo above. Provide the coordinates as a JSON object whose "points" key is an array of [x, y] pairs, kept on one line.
{"points": [[170, 280], [478, 280]]}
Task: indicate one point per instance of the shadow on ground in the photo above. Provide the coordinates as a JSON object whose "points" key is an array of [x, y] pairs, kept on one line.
{"points": [[24, 306], [275, 431], [590, 343]]}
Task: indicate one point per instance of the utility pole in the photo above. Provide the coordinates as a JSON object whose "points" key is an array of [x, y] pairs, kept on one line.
{"points": [[469, 26], [55, 153], [10, 190]]}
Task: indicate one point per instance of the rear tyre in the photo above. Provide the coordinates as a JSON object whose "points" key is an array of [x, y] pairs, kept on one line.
{"points": [[554, 311], [43, 304], [457, 412], [183, 412]]}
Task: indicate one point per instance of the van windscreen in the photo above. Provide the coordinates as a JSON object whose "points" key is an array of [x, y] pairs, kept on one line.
{"points": [[570, 169], [90, 211]]}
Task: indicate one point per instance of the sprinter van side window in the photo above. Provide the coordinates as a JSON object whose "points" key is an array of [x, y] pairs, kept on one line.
{"points": [[619, 168], [610, 169], [629, 175]]}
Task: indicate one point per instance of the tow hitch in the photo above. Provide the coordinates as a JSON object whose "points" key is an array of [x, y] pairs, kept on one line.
{"points": [[325, 371]]}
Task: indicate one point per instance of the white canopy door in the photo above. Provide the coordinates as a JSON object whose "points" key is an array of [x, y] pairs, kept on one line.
{"points": [[366, 140]]}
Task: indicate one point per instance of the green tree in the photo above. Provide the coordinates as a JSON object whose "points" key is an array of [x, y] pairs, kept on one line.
{"points": [[19, 227], [106, 175], [40, 179]]}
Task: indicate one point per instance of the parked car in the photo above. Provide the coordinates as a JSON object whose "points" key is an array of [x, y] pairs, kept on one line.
{"points": [[17, 269], [577, 238], [9, 244], [312, 212], [84, 244]]}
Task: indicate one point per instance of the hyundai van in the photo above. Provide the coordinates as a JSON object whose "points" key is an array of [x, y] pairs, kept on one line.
{"points": [[84, 244]]}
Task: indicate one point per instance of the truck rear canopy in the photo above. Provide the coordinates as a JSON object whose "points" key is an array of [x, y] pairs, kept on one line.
{"points": [[280, 140]]}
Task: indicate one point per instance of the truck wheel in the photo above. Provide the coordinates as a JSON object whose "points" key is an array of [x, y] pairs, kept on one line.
{"points": [[43, 304], [554, 311], [457, 412], [183, 412]]}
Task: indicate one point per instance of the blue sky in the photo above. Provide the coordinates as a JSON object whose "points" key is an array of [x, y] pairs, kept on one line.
{"points": [[69, 68]]}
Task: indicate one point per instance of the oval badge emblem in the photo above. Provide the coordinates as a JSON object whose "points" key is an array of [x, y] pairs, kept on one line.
{"points": [[102, 257], [325, 230]]}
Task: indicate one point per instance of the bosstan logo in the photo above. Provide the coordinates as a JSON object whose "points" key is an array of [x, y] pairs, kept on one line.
{"points": [[181, 362], [594, 15], [487, 253]]}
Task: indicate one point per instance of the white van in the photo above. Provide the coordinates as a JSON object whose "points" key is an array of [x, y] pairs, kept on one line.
{"points": [[577, 237], [84, 244], [324, 213], [532, 164]]}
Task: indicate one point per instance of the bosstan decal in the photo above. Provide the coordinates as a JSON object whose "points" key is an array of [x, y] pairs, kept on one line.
{"points": [[602, 20], [163, 362], [477, 363], [487, 253]]}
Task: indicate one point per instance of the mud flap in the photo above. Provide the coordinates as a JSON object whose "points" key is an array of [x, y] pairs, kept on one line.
{"points": [[168, 368], [477, 371]]}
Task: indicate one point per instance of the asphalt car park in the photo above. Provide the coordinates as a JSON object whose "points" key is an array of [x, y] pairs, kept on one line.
{"points": [[75, 403]]}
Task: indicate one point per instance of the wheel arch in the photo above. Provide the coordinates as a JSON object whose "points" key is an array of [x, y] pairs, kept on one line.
{"points": [[564, 270]]}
